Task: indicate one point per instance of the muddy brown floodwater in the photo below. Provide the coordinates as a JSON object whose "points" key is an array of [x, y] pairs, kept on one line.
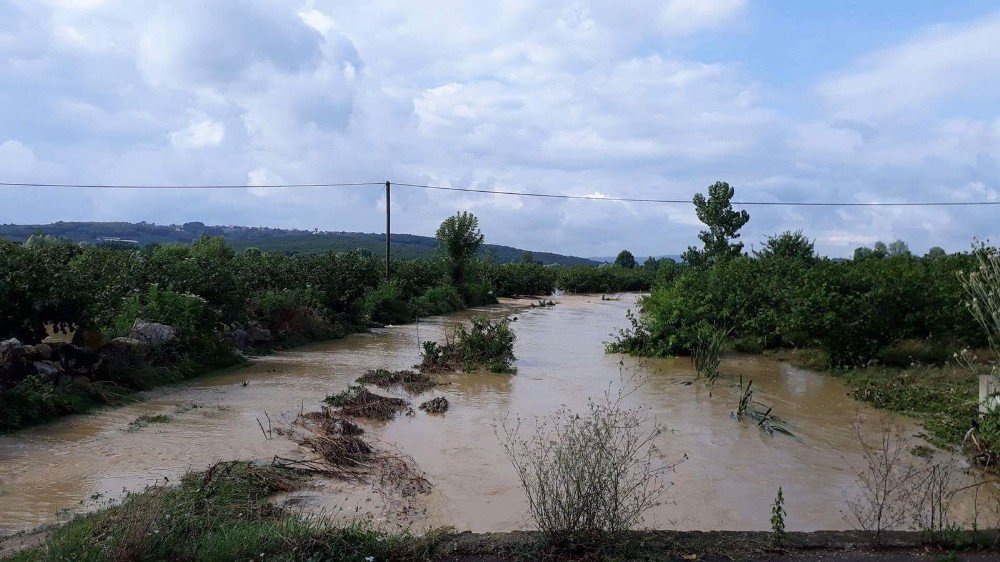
{"points": [[728, 481]]}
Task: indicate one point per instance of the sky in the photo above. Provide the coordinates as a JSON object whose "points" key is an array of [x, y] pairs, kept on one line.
{"points": [[895, 100]]}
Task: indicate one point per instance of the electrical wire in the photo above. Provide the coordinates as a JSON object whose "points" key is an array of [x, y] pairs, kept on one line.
{"points": [[689, 202], [129, 186], [519, 194]]}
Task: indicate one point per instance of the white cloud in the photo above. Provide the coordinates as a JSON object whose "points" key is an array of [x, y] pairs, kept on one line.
{"points": [[572, 97], [688, 16], [945, 61], [202, 131]]}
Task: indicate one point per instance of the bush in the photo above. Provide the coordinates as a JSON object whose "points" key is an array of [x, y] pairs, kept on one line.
{"points": [[591, 474], [856, 311], [487, 344], [189, 314], [386, 305], [292, 315]]}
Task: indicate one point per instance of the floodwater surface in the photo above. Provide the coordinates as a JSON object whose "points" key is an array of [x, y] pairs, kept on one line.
{"points": [[727, 480]]}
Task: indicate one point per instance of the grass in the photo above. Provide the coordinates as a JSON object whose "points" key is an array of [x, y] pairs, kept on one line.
{"points": [[220, 514], [32, 402], [942, 397]]}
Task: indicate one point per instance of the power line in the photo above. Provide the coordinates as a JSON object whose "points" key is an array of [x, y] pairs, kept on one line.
{"points": [[688, 201], [223, 186], [518, 194]]}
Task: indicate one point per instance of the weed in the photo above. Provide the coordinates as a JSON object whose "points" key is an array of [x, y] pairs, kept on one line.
{"points": [[486, 344], [778, 514]]}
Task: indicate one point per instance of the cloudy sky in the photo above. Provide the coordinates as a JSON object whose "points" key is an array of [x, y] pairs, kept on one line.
{"points": [[786, 100]]}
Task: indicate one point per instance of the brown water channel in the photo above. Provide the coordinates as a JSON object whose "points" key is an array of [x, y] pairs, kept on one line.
{"points": [[728, 481]]}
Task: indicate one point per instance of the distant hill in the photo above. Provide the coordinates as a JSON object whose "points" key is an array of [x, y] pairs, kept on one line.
{"points": [[286, 241]]}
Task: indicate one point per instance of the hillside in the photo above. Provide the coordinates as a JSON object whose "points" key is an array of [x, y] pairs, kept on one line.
{"points": [[404, 246]]}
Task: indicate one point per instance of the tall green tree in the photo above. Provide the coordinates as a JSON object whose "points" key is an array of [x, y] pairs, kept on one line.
{"points": [[460, 238], [625, 259], [724, 224], [788, 244]]}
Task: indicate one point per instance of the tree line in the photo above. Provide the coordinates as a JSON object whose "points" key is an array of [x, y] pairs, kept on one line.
{"points": [[785, 295]]}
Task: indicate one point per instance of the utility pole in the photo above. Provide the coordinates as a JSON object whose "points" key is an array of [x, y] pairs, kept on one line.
{"points": [[388, 235]]}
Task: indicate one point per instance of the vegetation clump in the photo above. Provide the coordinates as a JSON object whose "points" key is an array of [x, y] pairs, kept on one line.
{"points": [[588, 475], [757, 412], [147, 419], [437, 405], [412, 381], [222, 513], [486, 343], [358, 402]]}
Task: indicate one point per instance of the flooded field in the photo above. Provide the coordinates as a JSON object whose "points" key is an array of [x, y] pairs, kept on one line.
{"points": [[727, 482]]}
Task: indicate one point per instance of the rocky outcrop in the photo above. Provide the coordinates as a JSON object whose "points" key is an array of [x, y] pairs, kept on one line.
{"points": [[14, 363], [153, 333]]}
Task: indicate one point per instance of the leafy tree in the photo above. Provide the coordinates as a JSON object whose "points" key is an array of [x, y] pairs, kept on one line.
{"points": [[650, 263], [723, 223], [881, 249], [789, 244], [529, 257], [936, 252], [899, 248], [625, 259], [460, 238]]}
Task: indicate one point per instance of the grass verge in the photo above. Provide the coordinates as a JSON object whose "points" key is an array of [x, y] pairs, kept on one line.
{"points": [[222, 513]]}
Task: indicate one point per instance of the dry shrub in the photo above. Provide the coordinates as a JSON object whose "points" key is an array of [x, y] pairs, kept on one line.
{"points": [[591, 474], [894, 491], [342, 451]]}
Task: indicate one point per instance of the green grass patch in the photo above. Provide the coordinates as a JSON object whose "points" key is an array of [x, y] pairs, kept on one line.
{"points": [[220, 514]]}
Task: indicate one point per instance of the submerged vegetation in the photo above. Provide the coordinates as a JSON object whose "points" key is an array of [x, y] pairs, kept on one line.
{"points": [[486, 343], [891, 323]]}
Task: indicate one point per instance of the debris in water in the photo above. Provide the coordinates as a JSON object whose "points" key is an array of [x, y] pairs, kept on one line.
{"points": [[411, 381], [437, 405], [358, 402]]}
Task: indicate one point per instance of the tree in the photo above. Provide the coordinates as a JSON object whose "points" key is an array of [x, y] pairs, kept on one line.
{"points": [[898, 248], [650, 263], [529, 258], [460, 237], [625, 259], [936, 252], [789, 244], [716, 212]]}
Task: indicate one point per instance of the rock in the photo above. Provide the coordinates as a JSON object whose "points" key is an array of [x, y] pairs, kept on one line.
{"points": [[47, 370], [239, 337], [76, 359], [122, 352], [14, 364], [258, 335], [44, 351], [30, 353], [152, 332], [81, 380]]}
